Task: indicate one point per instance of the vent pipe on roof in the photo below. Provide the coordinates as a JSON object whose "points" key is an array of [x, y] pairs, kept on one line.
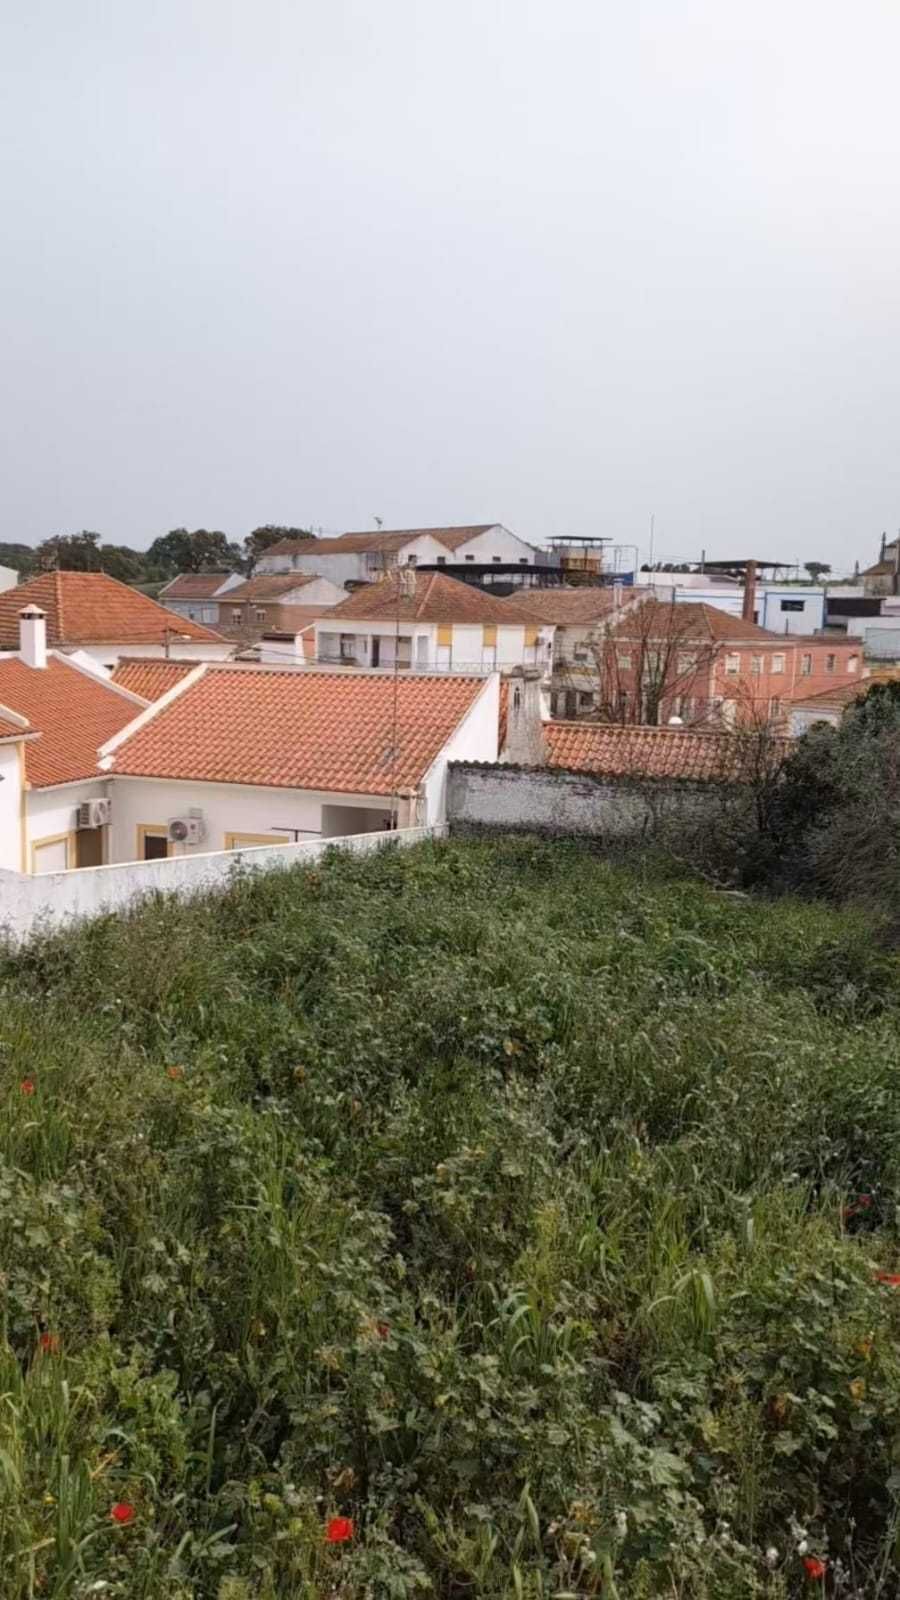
{"points": [[33, 637]]}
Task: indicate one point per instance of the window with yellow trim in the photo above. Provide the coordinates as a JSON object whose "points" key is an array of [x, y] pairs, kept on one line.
{"points": [[445, 634], [531, 636], [489, 632]]}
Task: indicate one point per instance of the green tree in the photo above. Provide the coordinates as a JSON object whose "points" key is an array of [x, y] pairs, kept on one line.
{"points": [[70, 552], [18, 556], [262, 538], [817, 569], [836, 822], [199, 551]]}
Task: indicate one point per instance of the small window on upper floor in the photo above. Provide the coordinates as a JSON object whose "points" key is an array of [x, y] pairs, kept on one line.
{"points": [[733, 662], [470, 558], [260, 614], [756, 665], [829, 663], [853, 664], [496, 558], [441, 561], [805, 665], [793, 605], [777, 663], [235, 613], [523, 561]]}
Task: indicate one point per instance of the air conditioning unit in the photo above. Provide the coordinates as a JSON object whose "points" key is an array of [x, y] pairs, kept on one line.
{"points": [[93, 814], [186, 830]]}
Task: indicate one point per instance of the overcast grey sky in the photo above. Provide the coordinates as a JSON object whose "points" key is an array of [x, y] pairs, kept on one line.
{"points": [[558, 263]]}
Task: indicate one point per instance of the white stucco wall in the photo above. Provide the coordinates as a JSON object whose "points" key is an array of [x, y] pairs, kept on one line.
{"points": [[50, 812], [498, 541], [226, 807], [467, 650], [474, 740], [44, 904], [10, 807], [8, 578], [341, 568], [185, 649]]}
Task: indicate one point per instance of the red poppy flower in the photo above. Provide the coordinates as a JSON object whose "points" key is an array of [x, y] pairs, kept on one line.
{"points": [[122, 1512], [175, 1073], [383, 1329], [815, 1568], [339, 1530], [892, 1278], [49, 1343], [26, 1086]]}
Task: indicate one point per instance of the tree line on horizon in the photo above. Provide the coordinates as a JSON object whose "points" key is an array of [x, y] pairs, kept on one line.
{"points": [[180, 550]]}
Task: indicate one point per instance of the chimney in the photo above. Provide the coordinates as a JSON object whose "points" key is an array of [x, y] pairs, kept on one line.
{"points": [[33, 637], [524, 745], [749, 592], [617, 595]]}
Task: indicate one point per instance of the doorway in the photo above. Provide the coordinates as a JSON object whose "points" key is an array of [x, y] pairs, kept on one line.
{"points": [[89, 847], [152, 841]]}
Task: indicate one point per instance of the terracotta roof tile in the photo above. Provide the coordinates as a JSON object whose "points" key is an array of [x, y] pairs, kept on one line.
{"points": [[437, 598], [13, 730], [91, 608], [385, 539], [298, 729], [148, 676], [267, 586], [194, 586], [842, 694], [644, 752], [691, 619], [73, 711], [569, 606]]}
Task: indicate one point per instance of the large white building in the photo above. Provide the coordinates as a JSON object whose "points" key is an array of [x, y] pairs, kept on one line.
{"points": [[364, 557]]}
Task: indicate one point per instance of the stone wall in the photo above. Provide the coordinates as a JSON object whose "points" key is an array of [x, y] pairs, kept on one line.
{"points": [[545, 800]]}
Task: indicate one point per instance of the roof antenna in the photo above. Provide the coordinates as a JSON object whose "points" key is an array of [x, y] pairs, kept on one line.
{"points": [[379, 521]]}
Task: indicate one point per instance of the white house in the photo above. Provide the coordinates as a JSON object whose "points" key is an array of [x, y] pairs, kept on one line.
{"points": [[194, 594], [8, 578], [365, 557], [54, 714], [427, 621], [243, 754], [579, 618], [781, 608], [103, 619]]}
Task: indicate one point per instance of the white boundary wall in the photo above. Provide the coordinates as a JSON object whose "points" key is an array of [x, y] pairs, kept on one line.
{"points": [[32, 905]]}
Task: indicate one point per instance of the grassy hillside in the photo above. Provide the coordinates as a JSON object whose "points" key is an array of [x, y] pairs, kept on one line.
{"points": [[523, 1213]]}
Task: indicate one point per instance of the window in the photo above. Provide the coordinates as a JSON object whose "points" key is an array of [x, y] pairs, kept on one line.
{"points": [[441, 561], [445, 635], [623, 661], [348, 646], [793, 605], [470, 558], [152, 841], [489, 635], [829, 663], [496, 558], [805, 665], [585, 702], [687, 661], [580, 652], [235, 613], [853, 664], [523, 561], [778, 663], [756, 665], [774, 706], [531, 636], [733, 662], [260, 613]]}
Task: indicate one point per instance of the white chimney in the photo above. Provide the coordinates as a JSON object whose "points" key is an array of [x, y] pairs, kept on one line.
{"points": [[33, 637]]}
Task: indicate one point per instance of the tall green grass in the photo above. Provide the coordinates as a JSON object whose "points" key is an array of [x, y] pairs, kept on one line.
{"points": [[523, 1209]]}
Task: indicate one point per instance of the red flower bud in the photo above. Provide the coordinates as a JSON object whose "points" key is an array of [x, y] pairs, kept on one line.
{"points": [[26, 1086], [122, 1512], [815, 1568], [339, 1530]]}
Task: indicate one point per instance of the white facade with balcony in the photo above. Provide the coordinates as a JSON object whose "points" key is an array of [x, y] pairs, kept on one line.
{"points": [[436, 646]]}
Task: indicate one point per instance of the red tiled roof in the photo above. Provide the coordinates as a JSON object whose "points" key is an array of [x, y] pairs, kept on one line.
{"points": [[74, 712], [388, 540], [840, 694], [91, 608], [12, 730], [301, 730], [194, 585], [150, 677], [437, 598], [569, 606], [267, 586], [692, 619], [644, 752]]}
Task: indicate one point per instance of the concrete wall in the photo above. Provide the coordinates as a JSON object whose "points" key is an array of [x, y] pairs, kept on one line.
{"points": [[498, 543], [537, 800], [10, 806], [45, 904]]}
